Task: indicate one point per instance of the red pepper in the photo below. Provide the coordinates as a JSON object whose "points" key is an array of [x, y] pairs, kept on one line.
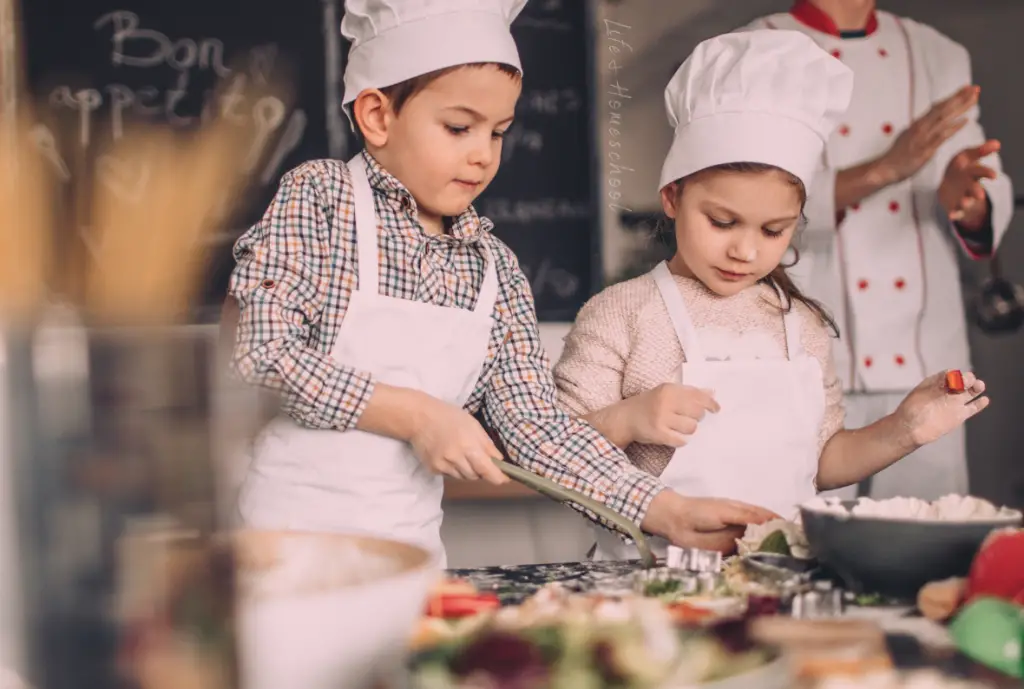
{"points": [[998, 568], [684, 613], [955, 381], [457, 606]]}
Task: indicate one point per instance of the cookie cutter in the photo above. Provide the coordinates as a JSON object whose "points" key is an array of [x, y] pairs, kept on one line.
{"points": [[693, 559], [818, 599]]}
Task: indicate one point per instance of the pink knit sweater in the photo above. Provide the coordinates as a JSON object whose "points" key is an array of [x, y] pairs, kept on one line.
{"points": [[623, 344]]}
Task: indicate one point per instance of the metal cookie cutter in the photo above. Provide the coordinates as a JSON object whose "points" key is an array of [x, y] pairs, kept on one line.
{"points": [[693, 559], [819, 599]]}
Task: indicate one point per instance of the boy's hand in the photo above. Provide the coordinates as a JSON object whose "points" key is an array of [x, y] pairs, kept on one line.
{"points": [[707, 523], [449, 441]]}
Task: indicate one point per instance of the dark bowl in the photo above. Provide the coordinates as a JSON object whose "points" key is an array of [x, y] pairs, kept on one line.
{"points": [[895, 557]]}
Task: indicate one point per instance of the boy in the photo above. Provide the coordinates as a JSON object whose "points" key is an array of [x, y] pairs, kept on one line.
{"points": [[376, 300]]}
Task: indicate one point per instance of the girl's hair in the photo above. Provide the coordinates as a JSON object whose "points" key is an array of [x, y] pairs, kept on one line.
{"points": [[778, 277]]}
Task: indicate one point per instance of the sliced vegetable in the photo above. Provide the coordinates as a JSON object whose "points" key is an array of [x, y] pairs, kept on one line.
{"points": [[684, 613], [955, 381], [459, 605]]}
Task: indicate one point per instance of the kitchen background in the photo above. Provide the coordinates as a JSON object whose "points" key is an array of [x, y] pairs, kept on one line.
{"points": [[576, 214], [661, 34]]}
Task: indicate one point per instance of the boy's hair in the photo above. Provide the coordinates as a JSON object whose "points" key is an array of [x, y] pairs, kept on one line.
{"points": [[401, 93], [778, 277]]}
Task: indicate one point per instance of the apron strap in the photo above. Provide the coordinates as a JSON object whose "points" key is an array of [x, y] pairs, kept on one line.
{"points": [[677, 311], [791, 323], [366, 242], [366, 226], [489, 287]]}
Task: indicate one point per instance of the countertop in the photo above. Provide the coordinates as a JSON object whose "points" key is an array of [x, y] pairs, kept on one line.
{"points": [[514, 583]]}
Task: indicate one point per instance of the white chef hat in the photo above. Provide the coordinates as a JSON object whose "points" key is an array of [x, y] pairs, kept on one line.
{"points": [[766, 96], [396, 40]]}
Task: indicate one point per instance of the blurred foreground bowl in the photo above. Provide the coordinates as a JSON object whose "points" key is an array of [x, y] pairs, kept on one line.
{"points": [[895, 557], [326, 611]]}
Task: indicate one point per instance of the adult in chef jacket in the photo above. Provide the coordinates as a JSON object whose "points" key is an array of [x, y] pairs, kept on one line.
{"points": [[377, 301], [909, 182], [714, 371]]}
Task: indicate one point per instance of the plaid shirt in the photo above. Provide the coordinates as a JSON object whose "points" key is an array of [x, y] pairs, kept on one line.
{"points": [[295, 271]]}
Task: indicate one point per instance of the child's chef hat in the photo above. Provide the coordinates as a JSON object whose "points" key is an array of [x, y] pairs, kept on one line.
{"points": [[768, 96], [396, 40]]}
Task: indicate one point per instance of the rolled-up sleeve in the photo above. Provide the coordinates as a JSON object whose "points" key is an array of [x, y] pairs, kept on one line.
{"points": [[520, 405], [280, 283]]}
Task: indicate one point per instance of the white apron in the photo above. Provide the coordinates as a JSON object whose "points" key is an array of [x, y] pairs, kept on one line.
{"points": [[762, 446], [359, 482]]}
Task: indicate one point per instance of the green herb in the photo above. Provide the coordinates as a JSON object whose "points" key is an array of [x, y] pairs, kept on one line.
{"points": [[662, 588], [775, 542], [868, 599]]}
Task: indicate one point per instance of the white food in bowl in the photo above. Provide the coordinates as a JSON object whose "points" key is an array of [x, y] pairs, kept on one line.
{"points": [[950, 508]]}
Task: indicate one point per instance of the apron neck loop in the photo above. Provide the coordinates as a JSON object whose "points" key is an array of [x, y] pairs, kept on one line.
{"points": [[790, 323], [489, 288], [366, 226], [686, 332], [677, 311]]}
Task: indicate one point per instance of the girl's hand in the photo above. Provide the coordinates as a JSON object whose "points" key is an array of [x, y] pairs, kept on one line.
{"points": [[668, 414], [931, 411]]}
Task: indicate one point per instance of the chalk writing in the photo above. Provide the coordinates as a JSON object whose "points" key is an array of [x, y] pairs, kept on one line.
{"points": [[550, 101], [46, 143], [127, 182], [518, 138], [153, 48], [547, 277], [135, 46], [502, 210]]}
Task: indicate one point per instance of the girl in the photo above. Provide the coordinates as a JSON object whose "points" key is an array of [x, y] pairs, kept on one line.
{"points": [[714, 370]]}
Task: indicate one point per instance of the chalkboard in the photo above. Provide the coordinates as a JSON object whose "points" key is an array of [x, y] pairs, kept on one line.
{"points": [[543, 200], [95, 63]]}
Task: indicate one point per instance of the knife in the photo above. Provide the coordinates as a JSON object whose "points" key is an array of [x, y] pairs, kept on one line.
{"points": [[561, 494]]}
